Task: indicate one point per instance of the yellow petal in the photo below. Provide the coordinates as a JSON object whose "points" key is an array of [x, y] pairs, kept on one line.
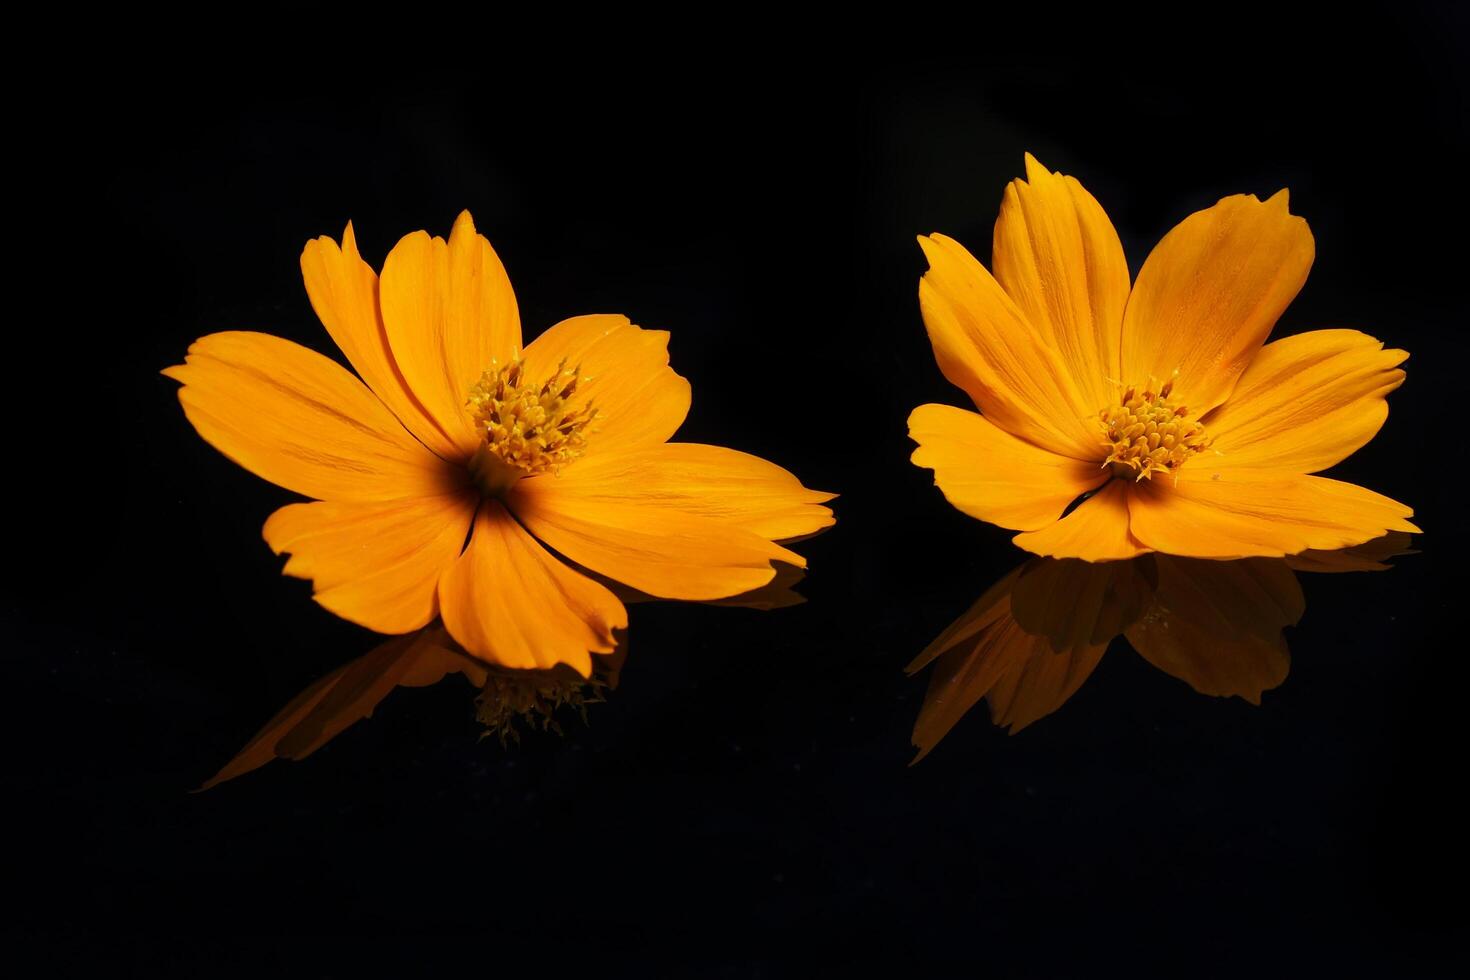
{"points": [[985, 345], [1057, 256], [993, 476], [627, 377], [1210, 293], [344, 292], [1213, 512], [1096, 531], [449, 311], [1217, 625], [708, 481], [659, 550], [509, 602], [1307, 402], [302, 421], [376, 564]]}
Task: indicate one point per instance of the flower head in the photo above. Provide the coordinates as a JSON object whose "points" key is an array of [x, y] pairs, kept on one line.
{"points": [[445, 470], [1155, 407]]}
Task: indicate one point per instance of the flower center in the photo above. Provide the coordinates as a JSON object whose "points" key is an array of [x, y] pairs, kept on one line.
{"points": [[512, 699], [527, 428], [1147, 433]]}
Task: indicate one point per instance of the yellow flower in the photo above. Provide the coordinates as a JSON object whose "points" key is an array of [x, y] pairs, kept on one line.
{"points": [[1157, 402], [443, 475]]}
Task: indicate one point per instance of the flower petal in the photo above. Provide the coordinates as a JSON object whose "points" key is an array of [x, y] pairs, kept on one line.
{"points": [[302, 421], [1210, 293], [509, 602], [1075, 603], [985, 345], [1096, 531], [1307, 402], [344, 292], [643, 402], [1040, 683], [991, 475], [376, 564], [449, 311], [1222, 513], [662, 551], [1057, 256], [1217, 625], [707, 481]]}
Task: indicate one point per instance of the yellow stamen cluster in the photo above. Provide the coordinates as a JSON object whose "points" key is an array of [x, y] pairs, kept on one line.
{"points": [[1146, 433], [528, 428], [532, 698]]}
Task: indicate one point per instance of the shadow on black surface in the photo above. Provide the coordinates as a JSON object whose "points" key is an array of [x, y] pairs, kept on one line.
{"points": [[1034, 637]]}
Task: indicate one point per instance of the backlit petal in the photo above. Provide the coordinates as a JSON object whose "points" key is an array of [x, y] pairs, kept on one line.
{"points": [[376, 564], [1216, 625], [708, 481], [985, 345], [509, 602], [344, 292], [1096, 531], [1225, 512], [449, 311], [1210, 293], [994, 476], [1307, 402], [626, 376], [659, 550], [1057, 256], [302, 421]]}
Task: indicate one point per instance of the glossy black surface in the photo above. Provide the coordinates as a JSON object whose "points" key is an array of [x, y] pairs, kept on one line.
{"points": [[746, 786]]}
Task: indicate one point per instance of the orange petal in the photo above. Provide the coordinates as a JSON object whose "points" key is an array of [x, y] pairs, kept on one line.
{"points": [[1307, 402], [985, 345], [1370, 556], [1057, 256], [1096, 531], [662, 551], [708, 481], [302, 421], [376, 564], [1217, 625], [344, 292], [993, 476], [627, 376], [509, 602], [1039, 684], [449, 311], [1076, 603], [1215, 512], [1210, 293]]}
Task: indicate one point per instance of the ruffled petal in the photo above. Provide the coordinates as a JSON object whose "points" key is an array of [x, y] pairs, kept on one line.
{"points": [[302, 421], [1058, 257], [509, 602], [1307, 402], [993, 476], [1098, 530], [449, 312], [731, 487], [344, 292], [376, 564], [985, 345], [1218, 512], [1217, 625], [626, 376], [657, 549], [1210, 293]]}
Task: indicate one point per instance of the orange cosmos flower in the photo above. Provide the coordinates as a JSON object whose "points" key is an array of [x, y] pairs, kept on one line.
{"points": [[442, 476], [1156, 402]]}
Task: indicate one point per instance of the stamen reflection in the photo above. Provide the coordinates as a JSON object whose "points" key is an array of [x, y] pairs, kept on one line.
{"points": [[1031, 640]]}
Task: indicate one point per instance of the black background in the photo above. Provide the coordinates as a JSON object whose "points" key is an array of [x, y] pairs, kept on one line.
{"points": [[742, 804]]}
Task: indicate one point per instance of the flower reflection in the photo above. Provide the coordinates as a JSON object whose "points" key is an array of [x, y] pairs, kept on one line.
{"points": [[1032, 639], [509, 702]]}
